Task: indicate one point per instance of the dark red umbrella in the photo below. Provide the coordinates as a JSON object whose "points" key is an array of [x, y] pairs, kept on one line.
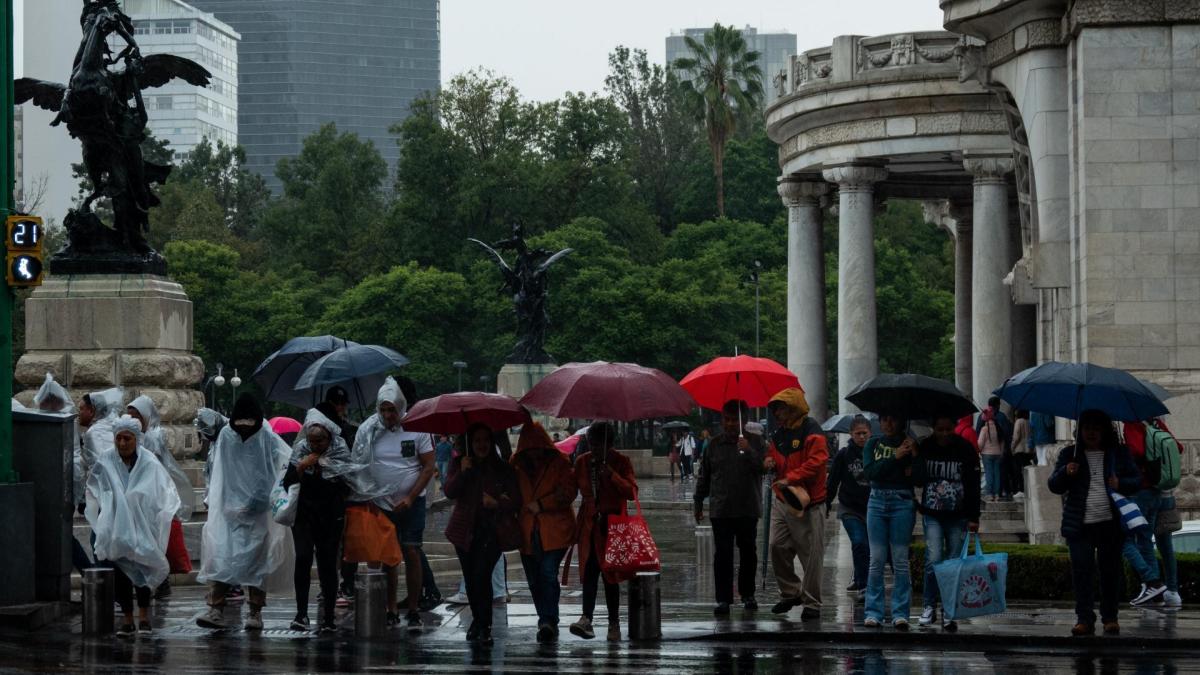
{"points": [[749, 378], [454, 413], [609, 391]]}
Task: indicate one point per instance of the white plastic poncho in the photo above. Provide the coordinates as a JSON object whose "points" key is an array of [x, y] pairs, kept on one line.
{"points": [[336, 461], [241, 543], [130, 512], [156, 442], [98, 438], [364, 484], [51, 389], [209, 424]]}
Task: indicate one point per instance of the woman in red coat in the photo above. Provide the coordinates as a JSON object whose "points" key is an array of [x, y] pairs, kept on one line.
{"points": [[605, 479]]}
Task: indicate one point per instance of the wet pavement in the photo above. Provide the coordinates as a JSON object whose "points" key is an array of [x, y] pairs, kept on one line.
{"points": [[1027, 638]]}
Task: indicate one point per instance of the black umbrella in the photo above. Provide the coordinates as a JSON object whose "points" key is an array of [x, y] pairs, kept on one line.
{"points": [[911, 397], [277, 374], [671, 426]]}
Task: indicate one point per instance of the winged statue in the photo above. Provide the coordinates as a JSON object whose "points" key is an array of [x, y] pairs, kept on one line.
{"points": [[525, 281], [102, 106]]}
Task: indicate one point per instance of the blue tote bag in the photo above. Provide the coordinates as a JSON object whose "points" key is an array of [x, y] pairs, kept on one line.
{"points": [[972, 585]]}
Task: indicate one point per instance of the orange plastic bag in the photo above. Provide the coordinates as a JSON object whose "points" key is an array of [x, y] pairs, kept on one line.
{"points": [[370, 536]]}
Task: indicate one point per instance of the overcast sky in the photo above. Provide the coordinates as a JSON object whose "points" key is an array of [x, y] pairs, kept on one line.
{"points": [[547, 47]]}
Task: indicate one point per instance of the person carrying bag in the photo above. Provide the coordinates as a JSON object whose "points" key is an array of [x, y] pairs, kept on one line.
{"points": [[972, 585]]}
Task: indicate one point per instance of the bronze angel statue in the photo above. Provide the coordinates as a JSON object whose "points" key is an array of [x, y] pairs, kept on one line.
{"points": [[526, 281], [102, 106]]}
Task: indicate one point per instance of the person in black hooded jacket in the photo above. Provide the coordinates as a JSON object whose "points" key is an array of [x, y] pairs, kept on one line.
{"points": [[848, 485]]}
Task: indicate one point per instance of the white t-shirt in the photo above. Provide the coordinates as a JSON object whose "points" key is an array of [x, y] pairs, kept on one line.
{"points": [[397, 461], [689, 446]]}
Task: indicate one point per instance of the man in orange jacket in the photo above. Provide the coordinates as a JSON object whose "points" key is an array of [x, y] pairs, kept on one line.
{"points": [[799, 456]]}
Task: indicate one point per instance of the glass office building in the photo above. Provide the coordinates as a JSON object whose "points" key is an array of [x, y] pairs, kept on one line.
{"points": [[303, 63]]}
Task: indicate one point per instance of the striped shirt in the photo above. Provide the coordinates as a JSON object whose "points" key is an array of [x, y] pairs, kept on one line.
{"points": [[1098, 509]]}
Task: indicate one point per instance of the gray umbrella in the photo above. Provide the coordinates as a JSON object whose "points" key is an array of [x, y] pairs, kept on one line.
{"points": [[277, 374], [360, 369]]}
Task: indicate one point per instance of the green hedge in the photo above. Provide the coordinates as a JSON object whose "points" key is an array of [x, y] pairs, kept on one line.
{"points": [[1037, 572]]}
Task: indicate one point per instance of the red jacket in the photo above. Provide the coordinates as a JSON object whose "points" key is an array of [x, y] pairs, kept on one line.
{"points": [[801, 457], [965, 430]]}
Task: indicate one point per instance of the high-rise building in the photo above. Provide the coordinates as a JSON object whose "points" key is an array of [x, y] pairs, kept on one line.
{"points": [[181, 113], [775, 49], [304, 63]]}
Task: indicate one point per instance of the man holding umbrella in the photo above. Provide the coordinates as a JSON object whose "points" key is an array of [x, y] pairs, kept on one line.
{"points": [[799, 455]]}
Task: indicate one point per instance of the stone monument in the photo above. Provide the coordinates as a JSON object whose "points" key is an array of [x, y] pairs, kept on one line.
{"points": [[108, 315], [525, 280]]}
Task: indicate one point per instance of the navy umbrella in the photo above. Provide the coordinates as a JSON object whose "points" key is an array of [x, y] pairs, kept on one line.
{"points": [[361, 369], [840, 424], [1068, 389], [911, 396], [277, 374]]}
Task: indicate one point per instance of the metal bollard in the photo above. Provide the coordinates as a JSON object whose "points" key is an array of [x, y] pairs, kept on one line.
{"points": [[645, 607], [99, 594], [704, 545], [370, 602]]}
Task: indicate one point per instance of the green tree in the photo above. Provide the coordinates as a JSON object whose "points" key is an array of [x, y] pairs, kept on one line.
{"points": [[241, 194], [725, 84]]}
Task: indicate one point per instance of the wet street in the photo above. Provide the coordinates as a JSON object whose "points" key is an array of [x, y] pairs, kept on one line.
{"points": [[1026, 639]]}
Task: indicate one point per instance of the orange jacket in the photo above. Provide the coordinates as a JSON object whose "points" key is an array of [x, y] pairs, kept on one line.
{"points": [[800, 452], [546, 477]]}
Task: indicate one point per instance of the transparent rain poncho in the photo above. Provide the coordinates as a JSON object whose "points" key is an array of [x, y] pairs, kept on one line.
{"points": [[365, 484], [336, 461], [241, 543], [156, 442], [209, 424], [99, 436], [51, 390], [130, 511]]}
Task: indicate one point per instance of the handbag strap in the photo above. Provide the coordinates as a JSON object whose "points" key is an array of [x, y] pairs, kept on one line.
{"points": [[966, 548]]}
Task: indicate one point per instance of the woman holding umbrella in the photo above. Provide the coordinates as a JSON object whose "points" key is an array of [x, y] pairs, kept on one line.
{"points": [[891, 513], [486, 498]]}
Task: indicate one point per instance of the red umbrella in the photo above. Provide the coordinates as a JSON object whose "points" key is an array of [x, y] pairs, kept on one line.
{"points": [[749, 378], [609, 391], [453, 413], [284, 425]]}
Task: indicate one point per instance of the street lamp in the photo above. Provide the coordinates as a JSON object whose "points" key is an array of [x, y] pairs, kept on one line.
{"points": [[459, 365], [754, 280], [235, 382], [215, 381], [485, 379]]}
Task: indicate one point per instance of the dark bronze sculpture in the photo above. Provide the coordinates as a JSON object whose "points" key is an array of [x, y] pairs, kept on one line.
{"points": [[102, 107], [526, 281]]}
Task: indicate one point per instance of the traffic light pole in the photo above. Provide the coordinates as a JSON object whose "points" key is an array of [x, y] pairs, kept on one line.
{"points": [[7, 171]]}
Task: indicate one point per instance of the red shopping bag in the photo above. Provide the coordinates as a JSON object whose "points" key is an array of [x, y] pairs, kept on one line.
{"points": [[629, 548], [177, 553]]}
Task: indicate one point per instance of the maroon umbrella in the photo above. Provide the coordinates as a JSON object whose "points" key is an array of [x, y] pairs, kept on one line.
{"points": [[454, 413], [609, 391]]}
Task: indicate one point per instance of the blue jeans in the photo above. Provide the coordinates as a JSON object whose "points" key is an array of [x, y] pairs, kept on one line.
{"points": [[992, 466], [541, 571], [1166, 549], [856, 528], [1139, 546], [943, 539], [891, 515]]}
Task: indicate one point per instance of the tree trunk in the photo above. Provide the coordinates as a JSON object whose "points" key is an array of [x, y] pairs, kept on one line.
{"points": [[719, 171]]}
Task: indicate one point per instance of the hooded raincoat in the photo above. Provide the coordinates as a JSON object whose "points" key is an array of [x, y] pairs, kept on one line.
{"points": [[370, 483], [130, 511], [156, 442], [51, 389], [99, 436], [241, 543], [337, 461]]}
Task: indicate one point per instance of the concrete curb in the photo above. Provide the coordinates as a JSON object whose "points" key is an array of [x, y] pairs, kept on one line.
{"points": [[964, 640]]}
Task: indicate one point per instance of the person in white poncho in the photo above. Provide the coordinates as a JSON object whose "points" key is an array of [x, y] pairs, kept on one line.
{"points": [[97, 413], [130, 503], [143, 410], [242, 544]]}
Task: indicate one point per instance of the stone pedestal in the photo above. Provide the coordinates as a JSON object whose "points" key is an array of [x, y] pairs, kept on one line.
{"points": [[1043, 508], [95, 331], [516, 379]]}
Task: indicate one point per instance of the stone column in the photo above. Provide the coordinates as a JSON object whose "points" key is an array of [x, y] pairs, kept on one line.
{"points": [[806, 290], [991, 300], [961, 215], [858, 349]]}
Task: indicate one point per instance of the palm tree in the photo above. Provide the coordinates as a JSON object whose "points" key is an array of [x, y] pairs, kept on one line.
{"points": [[725, 83]]}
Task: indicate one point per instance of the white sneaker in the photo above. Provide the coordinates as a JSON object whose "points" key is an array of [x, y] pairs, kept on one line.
{"points": [[457, 599], [1137, 598], [213, 618], [253, 620], [928, 616], [1172, 599], [871, 622], [1149, 595]]}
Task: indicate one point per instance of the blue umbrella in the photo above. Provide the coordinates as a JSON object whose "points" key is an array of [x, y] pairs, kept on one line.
{"points": [[1068, 389], [277, 374], [361, 369]]}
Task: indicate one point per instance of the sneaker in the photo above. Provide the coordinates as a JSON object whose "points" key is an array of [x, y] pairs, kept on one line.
{"points": [[429, 602], [783, 607], [328, 627], [1081, 629], [300, 623], [810, 614], [1149, 594], [852, 587], [163, 591], [750, 604], [413, 620], [145, 627], [928, 616], [473, 631], [1172, 599], [900, 625], [583, 628], [722, 609], [392, 619], [614, 631], [253, 620], [871, 622], [343, 600], [457, 599], [213, 618], [484, 637], [1112, 628], [126, 630], [1141, 592], [950, 626], [546, 633]]}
